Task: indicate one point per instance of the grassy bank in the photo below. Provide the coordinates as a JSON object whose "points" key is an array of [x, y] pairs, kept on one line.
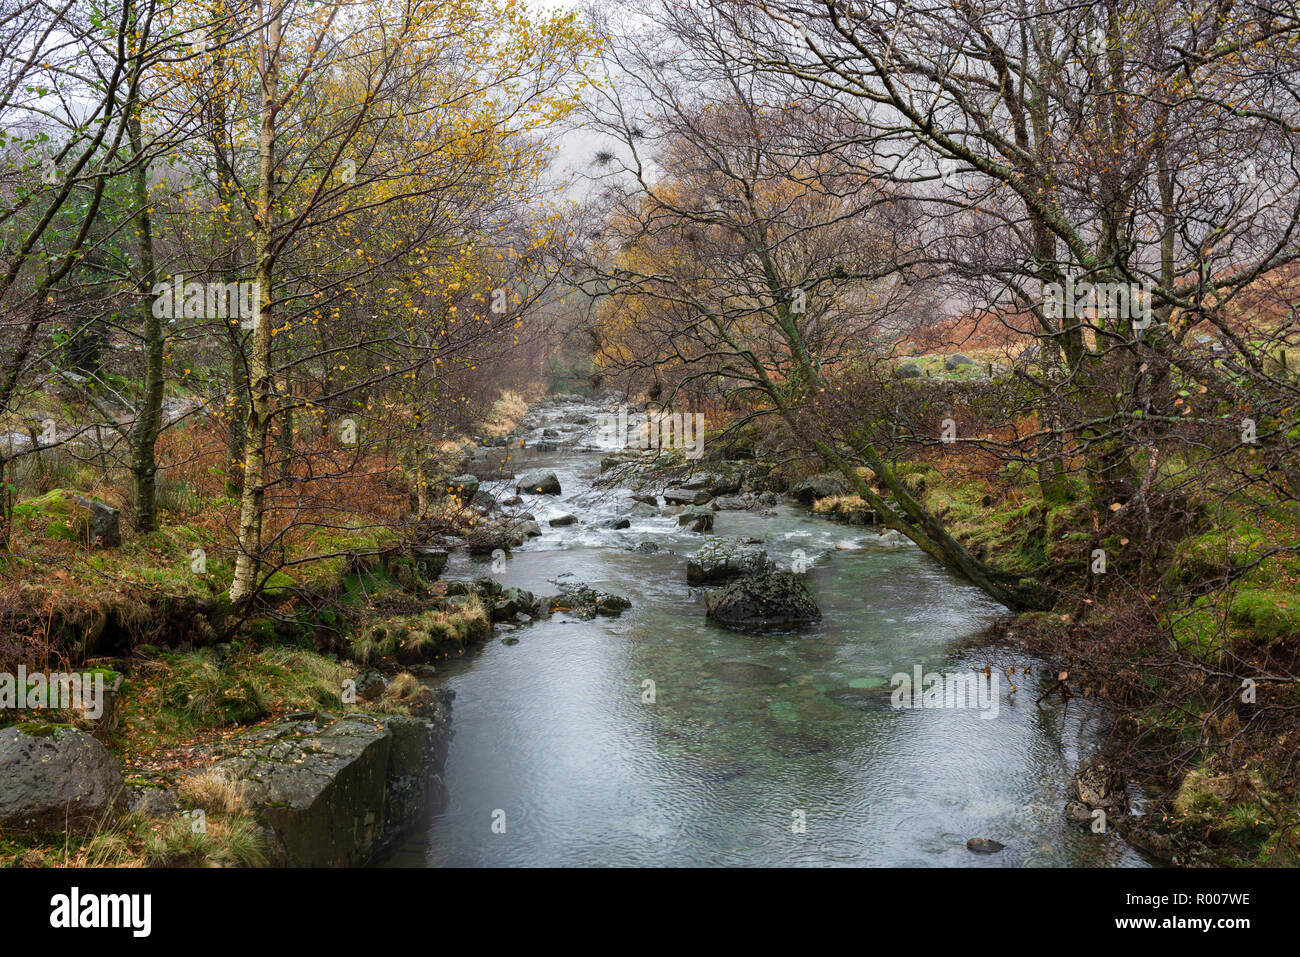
{"points": [[349, 602]]}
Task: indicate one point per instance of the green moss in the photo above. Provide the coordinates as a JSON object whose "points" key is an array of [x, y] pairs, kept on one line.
{"points": [[41, 729], [1273, 614]]}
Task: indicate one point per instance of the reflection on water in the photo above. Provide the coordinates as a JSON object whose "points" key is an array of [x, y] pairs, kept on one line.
{"points": [[747, 737]]}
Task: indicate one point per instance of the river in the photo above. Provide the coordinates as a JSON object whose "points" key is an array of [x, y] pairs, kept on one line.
{"points": [[760, 750]]}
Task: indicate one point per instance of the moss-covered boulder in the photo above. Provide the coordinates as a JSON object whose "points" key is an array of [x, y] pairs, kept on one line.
{"points": [[74, 517]]}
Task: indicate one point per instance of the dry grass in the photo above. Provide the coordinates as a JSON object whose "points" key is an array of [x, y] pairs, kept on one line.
{"points": [[214, 790]]}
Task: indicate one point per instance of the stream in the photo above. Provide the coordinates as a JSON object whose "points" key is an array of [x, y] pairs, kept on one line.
{"points": [[757, 750]]}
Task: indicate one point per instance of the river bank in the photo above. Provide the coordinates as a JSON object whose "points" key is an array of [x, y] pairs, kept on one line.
{"points": [[554, 689]]}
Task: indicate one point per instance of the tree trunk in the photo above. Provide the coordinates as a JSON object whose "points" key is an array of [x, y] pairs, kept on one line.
{"points": [[248, 561], [148, 422]]}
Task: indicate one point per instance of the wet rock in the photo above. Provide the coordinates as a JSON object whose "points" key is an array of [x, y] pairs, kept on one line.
{"points": [[485, 501], [1099, 785], [618, 523], [585, 602], [370, 684], [698, 520], [530, 529], [642, 510], [513, 602], [724, 559], [646, 548], [862, 699], [768, 499], [761, 602], [730, 503], [820, 486], [338, 792], [682, 496], [562, 520], [619, 459], [1079, 814], [538, 482], [984, 845], [551, 433], [725, 484], [652, 500], [54, 777], [430, 560], [487, 588], [488, 537], [463, 487]]}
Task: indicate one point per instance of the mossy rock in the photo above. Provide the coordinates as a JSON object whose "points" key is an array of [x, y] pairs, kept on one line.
{"points": [[73, 517]]}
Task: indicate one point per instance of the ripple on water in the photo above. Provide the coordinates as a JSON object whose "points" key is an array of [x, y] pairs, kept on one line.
{"points": [[746, 736]]}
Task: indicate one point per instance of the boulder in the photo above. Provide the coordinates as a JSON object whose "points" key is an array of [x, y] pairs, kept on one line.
{"points": [[74, 517], [512, 602], [529, 529], [538, 482], [908, 370], [698, 519], [338, 791], [646, 499], [697, 482], [463, 487], [1099, 785], [684, 496], [618, 523], [561, 520], [724, 559], [642, 510], [54, 778], [825, 485], [430, 560], [761, 602], [484, 501], [957, 361], [487, 537], [585, 602], [730, 503], [725, 484]]}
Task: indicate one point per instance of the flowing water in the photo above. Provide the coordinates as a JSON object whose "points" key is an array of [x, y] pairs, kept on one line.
{"points": [[769, 750]]}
